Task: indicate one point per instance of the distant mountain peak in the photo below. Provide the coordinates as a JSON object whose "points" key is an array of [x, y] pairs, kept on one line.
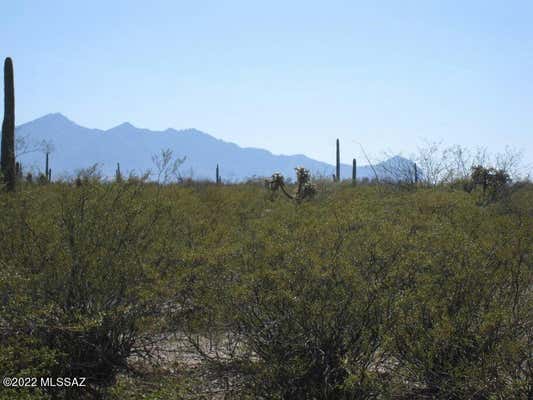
{"points": [[53, 121], [123, 126], [397, 160], [54, 117]]}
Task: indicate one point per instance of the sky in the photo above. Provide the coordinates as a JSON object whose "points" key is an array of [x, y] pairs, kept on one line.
{"points": [[287, 76]]}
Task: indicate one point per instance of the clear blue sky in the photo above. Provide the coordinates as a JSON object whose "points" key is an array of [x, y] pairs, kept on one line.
{"points": [[288, 76]]}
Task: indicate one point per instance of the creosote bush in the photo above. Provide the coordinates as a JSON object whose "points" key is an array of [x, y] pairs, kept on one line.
{"points": [[85, 263], [194, 291]]}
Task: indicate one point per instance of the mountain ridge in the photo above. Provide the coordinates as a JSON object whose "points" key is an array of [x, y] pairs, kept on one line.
{"points": [[76, 147]]}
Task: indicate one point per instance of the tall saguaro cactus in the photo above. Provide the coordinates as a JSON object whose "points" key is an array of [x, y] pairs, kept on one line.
{"points": [[218, 180], [118, 174], [7, 160], [338, 168], [46, 169], [354, 172]]}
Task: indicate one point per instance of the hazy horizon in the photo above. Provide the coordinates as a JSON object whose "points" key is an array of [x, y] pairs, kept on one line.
{"points": [[289, 78]]}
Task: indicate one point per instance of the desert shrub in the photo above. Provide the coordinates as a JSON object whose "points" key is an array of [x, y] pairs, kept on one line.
{"points": [[85, 255], [456, 316], [306, 316], [21, 353], [493, 182], [363, 292], [369, 292]]}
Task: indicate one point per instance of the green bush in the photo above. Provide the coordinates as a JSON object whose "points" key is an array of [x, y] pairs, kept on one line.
{"points": [[362, 292], [89, 277]]}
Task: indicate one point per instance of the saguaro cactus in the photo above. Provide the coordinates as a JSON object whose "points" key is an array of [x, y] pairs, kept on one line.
{"points": [[18, 170], [218, 180], [354, 171], [118, 174], [47, 169], [416, 174], [338, 168], [7, 160]]}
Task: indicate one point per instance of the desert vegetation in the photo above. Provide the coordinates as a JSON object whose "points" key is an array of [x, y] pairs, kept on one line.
{"points": [[418, 287], [201, 290]]}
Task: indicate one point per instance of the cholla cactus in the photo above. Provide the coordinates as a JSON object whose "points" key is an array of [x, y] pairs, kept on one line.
{"points": [[305, 188], [276, 182]]}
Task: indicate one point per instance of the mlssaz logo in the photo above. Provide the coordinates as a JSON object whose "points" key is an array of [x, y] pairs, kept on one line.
{"points": [[63, 382]]}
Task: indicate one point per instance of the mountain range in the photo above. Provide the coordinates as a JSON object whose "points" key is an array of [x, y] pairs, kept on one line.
{"points": [[75, 147]]}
